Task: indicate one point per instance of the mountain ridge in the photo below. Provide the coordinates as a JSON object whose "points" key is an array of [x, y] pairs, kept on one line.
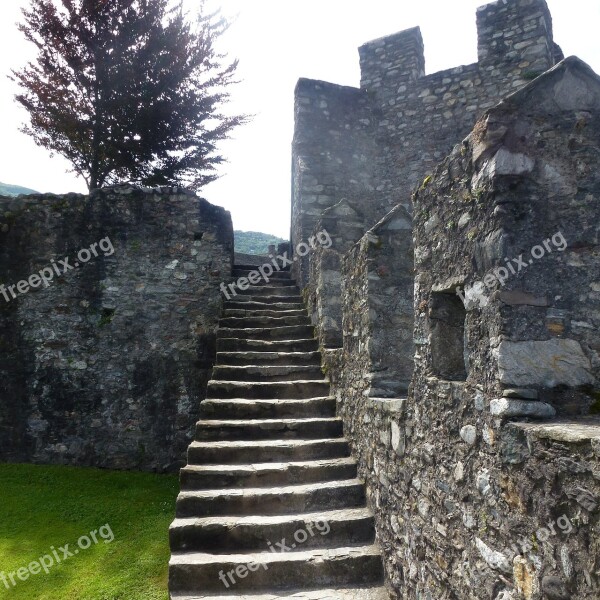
{"points": [[7, 189], [254, 242]]}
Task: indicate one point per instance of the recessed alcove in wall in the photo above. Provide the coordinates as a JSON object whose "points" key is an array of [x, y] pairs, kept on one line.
{"points": [[447, 325]]}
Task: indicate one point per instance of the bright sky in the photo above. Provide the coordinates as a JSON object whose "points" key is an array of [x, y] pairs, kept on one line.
{"points": [[277, 42]]}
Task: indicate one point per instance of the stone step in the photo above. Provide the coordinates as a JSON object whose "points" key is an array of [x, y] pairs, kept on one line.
{"points": [[245, 271], [207, 477], [249, 267], [243, 408], [247, 303], [269, 466], [267, 373], [268, 390], [286, 332], [346, 493], [236, 288], [263, 312], [273, 300], [270, 571], [259, 291], [268, 358], [263, 321], [269, 429], [240, 345], [266, 451], [372, 592], [326, 529]]}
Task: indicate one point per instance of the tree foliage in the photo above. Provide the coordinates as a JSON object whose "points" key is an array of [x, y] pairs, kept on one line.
{"points": [[128, 90]]}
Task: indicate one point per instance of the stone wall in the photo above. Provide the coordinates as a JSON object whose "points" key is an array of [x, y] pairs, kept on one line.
{"points": [[373, 145], [485, 480], [332, 150], [484, 476], [377, 276], [323, 291], [108, 364]]}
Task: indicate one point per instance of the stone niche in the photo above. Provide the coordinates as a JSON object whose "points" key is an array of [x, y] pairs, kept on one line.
{"points": [[108, 364]]}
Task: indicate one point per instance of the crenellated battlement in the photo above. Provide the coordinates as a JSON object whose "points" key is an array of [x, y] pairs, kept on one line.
{"points": [[460, 330], [512, 36], [514, 31], [392, 60]]}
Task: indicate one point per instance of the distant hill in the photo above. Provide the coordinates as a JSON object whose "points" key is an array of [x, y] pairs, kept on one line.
{"points": [[14, 190], [253, 242]]}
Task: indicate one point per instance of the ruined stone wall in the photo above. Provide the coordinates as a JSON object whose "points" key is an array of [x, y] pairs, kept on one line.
{"points": [[107, 366], [485, 481], [372, 145]]}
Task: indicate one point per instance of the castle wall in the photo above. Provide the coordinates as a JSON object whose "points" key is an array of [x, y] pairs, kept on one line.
{"points": [[373, 145], [332, 149], [108, 364], [484, 479]]}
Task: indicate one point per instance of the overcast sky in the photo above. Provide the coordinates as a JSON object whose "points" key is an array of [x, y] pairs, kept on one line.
{"points": [[278, 41]]}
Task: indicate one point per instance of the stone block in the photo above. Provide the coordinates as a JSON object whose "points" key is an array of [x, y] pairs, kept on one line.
{"points": [[546, 363], [507, 408], [495, 560]]}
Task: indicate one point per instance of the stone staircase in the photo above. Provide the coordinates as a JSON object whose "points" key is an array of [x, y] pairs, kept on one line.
{"points": [[270, 504]]}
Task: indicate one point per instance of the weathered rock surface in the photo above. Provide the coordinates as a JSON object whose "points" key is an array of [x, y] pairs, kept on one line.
{"points": [[507, 407]]}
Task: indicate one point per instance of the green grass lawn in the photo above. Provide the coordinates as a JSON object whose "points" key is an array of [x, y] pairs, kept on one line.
{"points": [[43, 507]]}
